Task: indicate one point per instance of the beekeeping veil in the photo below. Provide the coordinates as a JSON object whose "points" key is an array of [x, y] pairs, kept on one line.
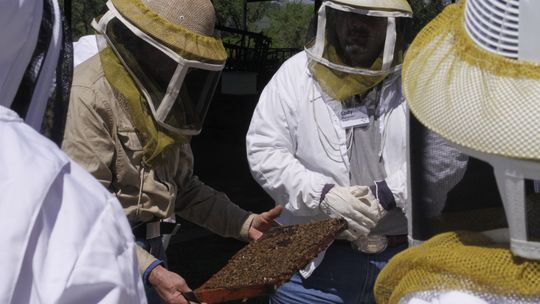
{"points": [[357, 44], [169, 51], [472, 82], [36, 64]]}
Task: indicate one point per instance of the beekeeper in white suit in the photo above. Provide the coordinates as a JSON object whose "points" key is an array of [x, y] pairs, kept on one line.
{"points": [[66, 239], [328, 138]]}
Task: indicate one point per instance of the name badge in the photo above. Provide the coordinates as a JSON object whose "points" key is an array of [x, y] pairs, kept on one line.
{"points": [[354, 117]]}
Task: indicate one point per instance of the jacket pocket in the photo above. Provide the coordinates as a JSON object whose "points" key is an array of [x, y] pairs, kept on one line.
{"points": [[130, 140], [129, 153]]}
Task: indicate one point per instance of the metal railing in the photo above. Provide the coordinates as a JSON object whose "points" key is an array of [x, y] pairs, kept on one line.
{"points": [[252, 52]]}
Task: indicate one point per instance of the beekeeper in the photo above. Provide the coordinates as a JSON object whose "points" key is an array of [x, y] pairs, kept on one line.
{"points": [[327, 138], [472, 77], [133, 110], [65, 237]]}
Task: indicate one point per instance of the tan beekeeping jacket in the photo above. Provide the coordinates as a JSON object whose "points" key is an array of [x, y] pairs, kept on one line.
{"points": [[100, 137]]}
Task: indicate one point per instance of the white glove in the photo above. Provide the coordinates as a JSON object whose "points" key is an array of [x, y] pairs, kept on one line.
{"points": [[341, 202], [370, 207]]}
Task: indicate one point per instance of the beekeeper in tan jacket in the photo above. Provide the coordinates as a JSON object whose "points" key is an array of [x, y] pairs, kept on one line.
{"points": [[133, 110]]}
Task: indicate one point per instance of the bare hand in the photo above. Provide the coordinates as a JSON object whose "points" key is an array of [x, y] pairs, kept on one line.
{"points": [[263, 222], [168, 285]]}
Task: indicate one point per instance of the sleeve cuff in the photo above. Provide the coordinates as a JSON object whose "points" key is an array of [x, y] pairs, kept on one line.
{"points": [[383, 194], [244, 230], [149, 269], [325, 190]]}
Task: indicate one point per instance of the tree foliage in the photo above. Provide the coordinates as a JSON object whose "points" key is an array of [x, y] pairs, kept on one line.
{"points": [[285, 22], [423, 13], [230, 13], [289, 24], [82, 13]]}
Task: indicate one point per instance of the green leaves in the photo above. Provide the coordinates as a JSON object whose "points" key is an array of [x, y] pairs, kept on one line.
{"points": [[82, 13], [285, 22], [423, 13], [289, 24]]}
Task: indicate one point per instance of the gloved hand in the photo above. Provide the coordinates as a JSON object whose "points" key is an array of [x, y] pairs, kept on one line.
{"points": [[348, 202], [371, 207]]}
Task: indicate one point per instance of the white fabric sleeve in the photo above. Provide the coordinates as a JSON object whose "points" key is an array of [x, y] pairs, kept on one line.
{"points": [[106, 271], [395, 153], [106, 268], [80, 248], [397, 183], [271, 145], [69, 240]]}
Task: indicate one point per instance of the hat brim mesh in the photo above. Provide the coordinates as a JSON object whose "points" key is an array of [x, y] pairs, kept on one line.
{"points": [[470, 96], [186, 43]]}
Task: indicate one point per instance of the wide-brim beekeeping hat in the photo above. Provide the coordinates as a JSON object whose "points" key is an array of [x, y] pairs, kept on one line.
{"points": [[170, 52], [457, 85], [472, 76], [197, 16]]}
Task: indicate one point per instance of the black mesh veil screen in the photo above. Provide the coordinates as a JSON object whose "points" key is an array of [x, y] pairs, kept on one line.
{"points": [[449, 190]]}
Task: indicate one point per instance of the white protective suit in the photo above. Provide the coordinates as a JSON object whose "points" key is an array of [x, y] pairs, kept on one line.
{"points": [[84, 48], [288, 141], [65, 237]]}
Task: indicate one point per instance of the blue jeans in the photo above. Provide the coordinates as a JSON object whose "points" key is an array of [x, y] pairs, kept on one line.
{"points": [[345, 276], [155, 247]]}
